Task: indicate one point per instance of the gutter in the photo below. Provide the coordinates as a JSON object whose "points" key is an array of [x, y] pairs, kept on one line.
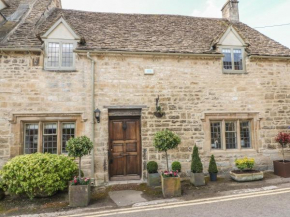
{"points": [[92, 115], [269, 57], [22, 49], [147, 53]]}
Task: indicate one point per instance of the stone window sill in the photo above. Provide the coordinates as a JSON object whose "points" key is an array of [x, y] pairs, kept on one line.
{"points": [[234, 151]]}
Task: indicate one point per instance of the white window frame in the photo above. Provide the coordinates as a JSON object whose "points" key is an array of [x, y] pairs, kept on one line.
{"points": [[233, 71], [238, 134], [61, 42]]}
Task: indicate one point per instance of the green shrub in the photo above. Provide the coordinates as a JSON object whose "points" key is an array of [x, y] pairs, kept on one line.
{"points": [[176, 166], [37, 174], [164, 141], [79, 147], [152, 167], [196, 165], [212, 165]]}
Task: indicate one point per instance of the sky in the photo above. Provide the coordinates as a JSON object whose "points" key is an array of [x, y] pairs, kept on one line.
{"points": [[255, 13]]}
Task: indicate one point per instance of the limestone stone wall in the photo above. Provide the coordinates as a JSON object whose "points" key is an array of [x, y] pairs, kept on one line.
{"points": [[188, 87], [25, 88]]}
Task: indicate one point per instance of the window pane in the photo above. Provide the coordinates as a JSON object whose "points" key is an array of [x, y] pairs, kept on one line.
{"points": [[238, 59], [245, 134], [231, 135], [31, 138], [227, 59], [50, 138], [68, 131], [53, 55], [216, 135], [67, 55]]}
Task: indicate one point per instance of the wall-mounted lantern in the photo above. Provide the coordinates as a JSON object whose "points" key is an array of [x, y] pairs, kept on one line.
{"points": [[98, 115]]}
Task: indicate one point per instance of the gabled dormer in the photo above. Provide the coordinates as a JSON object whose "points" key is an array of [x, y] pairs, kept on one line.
{"points": [[60, 41], [3, 5], [232, 45]]}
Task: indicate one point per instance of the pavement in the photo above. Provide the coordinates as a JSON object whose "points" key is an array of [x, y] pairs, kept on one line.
{"points": [[272, 203]]}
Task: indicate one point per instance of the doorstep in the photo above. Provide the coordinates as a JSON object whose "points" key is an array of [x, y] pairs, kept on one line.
{"points": [[110, 183]]}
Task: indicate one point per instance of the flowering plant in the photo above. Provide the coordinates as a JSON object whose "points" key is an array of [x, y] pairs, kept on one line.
{"points": [[167, 174], [245, 163], [80, 181], [283, 139]]}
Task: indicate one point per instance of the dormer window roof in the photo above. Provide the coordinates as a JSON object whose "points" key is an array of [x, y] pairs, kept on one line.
{"points": [[232, 46], [60, 42]]}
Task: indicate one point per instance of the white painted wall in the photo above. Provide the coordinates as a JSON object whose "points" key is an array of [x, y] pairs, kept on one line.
{"points": [[232, 40], [61, 32], [2, 5]]}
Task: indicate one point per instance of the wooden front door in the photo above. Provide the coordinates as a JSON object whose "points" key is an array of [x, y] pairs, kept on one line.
{"points": [[125, 149]]}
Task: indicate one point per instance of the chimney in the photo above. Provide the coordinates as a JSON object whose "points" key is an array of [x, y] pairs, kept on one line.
{"points": [[231, 11]]}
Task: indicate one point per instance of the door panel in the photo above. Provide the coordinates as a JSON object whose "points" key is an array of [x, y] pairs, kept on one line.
{"points": [[125, 149]]}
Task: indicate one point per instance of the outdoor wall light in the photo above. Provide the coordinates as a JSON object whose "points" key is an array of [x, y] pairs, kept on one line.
{"points": [[98, 115]]}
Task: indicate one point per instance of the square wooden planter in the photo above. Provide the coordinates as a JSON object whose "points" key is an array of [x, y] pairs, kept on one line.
{"points": [[197, 179], [153, 179], [171, 186], [79, 195], [282, 168], [246, 176]]}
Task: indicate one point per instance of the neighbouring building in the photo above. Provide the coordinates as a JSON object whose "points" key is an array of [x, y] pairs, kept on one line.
{"points": [[64, 73]]}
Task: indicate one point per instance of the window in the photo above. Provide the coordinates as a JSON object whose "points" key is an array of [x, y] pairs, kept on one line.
{"points": [[54, 136], [233, 60], [60, 55], [31, 138], [230, 134]]}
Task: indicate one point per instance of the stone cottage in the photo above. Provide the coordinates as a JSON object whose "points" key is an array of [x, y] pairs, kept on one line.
{"points": [[64, 73]]}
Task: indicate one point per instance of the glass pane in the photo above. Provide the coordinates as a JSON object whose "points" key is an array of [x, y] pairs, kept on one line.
{"points": [[227, 59], [238, 59], [231, 135], [31, 138], [50, 138], [67, 55], [245, 134], [53, 55], [216, 135], [68, 131]]}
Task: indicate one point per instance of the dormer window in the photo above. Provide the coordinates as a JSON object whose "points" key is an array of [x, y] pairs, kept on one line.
{"points": [[60, 42], [232, 46], [60, 55], [233, 59]]}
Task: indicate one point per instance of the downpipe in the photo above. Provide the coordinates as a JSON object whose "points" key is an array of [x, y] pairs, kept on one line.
{"points": [[92, 115]]}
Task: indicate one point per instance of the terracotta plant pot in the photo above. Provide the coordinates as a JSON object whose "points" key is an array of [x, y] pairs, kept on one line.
{"points": [[171, 186], [153, 179], [282, 168], [246, 176], [213, 177], [197, 179], [79, 195]]}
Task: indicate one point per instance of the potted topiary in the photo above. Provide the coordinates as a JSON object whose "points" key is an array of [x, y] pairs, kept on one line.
{"points": [[80, 188], [282, 167], [176, 166], [153, 175], [196, 175], [246, 172], [212, 169], [164, 141]]}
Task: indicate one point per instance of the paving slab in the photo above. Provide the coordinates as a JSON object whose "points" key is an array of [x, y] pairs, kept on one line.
{"points": [[127, 197], [156, 202]]}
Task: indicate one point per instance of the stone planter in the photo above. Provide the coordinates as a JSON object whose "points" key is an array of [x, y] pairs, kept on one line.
{"points": [[246, 176], [153, 179], [79, 195], [197, 179], [282, 168], [171, 186]]}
